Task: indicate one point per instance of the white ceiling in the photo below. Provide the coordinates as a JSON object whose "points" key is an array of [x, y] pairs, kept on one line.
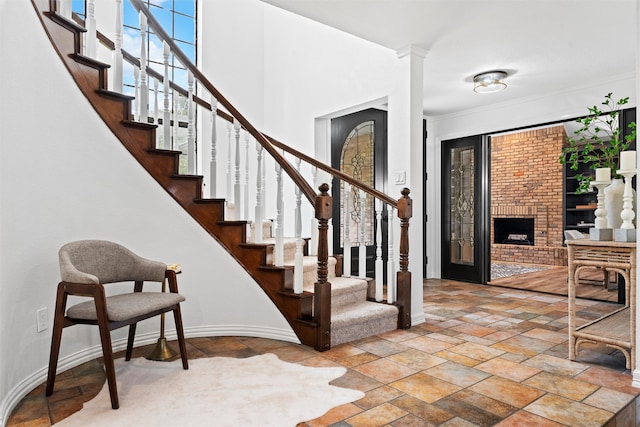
{"points": [[546, 46]]}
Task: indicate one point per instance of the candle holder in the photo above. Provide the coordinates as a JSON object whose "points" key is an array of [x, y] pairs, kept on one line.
{"points": [[627, 231], [600, 232]]}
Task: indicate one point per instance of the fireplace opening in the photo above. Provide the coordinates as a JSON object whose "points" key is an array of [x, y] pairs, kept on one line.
{"points": [[513, 231]]}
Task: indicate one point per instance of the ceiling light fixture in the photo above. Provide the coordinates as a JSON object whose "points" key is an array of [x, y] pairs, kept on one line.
{"points": [[490, 81]]}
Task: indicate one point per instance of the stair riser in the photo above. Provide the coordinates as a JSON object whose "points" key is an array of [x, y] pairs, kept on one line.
{"points": [[362, 330]]}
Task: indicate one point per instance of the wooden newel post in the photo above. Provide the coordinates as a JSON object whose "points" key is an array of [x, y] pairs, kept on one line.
{"points": [[403, 277], [322, 288]]}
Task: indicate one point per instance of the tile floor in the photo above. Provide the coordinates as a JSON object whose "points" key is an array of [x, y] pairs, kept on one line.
{"points": [[485, 356]]}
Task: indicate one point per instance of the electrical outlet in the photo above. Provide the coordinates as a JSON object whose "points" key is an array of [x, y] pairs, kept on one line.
{"points": [[42, 319]]}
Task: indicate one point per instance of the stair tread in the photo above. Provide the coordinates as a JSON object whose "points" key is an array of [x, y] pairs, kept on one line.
{"points": [[309, 261], [346, 284]]}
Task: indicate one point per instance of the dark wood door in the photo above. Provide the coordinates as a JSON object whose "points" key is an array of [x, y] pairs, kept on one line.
{"points": [[465, 209]]}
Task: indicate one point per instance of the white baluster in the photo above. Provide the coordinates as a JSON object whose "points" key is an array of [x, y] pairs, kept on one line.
{"points": [[136, 94], [298, 270], [279, 249], [391, 266], [346, 257], [379, 264], [229, 175], [117, 52], [213, 163], [236, 181], [246, 176], [166, 115], [175, 143], [90, 26], [143, 105], [65, 8], [362, 252], [191, 138], [313, 241], [259, 189], [155, 105], [263, 186]]}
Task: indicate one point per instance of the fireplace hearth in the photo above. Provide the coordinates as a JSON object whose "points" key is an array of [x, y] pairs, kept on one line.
{"points": [[513, 231]]}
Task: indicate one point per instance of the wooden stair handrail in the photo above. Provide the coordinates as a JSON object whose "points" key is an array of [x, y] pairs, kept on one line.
{"points": [[334, 172], [304, 186], [228, 117]]}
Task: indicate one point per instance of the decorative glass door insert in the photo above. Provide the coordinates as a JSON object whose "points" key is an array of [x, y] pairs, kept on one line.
{"points": [[462, 205], [356, 160]]}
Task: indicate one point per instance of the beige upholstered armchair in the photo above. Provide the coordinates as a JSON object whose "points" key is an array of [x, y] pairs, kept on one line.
{"points": [[85, 267]]}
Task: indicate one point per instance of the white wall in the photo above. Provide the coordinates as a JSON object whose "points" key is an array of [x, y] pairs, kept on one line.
{"points": [[64, 176]]}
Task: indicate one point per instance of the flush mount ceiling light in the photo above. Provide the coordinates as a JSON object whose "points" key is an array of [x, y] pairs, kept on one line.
{"points": [[491, 81]]}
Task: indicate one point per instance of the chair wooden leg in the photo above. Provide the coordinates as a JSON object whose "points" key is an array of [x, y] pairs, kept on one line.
{"points": [[107, 350], [132, 334], [58, 325], [180, 332]]}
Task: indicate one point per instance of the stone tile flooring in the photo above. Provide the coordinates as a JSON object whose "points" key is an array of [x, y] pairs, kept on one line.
{"points": [[485, 356]]}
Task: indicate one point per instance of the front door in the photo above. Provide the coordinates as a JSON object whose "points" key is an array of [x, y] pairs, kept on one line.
{"points": [[465, 200], [359, 149]]}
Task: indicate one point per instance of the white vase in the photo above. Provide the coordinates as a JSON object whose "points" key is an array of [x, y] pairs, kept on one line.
{"points": [[613, 203]]}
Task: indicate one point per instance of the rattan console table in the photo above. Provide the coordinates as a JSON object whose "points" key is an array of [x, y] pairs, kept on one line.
{"points": [[616, 329]]}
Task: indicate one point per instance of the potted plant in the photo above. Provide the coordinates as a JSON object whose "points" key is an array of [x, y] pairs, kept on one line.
{"points": [[598, 142]]}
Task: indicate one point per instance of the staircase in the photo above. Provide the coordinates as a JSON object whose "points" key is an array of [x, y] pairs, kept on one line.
{"points": [[331, 309]]}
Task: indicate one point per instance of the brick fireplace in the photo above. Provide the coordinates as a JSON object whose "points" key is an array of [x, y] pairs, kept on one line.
{"points": [[526, 186]]}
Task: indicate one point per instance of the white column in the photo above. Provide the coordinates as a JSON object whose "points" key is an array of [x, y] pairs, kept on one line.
{"points": [[143, 104], [117, 52], [405, 134]]}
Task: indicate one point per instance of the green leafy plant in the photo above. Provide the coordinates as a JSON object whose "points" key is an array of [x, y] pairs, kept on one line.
{"points": [[598, 142]]}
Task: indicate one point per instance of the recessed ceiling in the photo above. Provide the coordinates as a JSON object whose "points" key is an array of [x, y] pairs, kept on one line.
{"points": [[546, 46]]}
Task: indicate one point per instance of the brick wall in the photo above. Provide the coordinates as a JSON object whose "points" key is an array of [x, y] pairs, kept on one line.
{"points": [[526, 182]]}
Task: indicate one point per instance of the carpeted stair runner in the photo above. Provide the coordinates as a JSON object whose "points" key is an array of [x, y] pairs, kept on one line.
{"points": [[353, 316]]}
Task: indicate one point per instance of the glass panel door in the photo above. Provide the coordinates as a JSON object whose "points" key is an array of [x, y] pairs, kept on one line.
{"points": [[465, 253]]}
